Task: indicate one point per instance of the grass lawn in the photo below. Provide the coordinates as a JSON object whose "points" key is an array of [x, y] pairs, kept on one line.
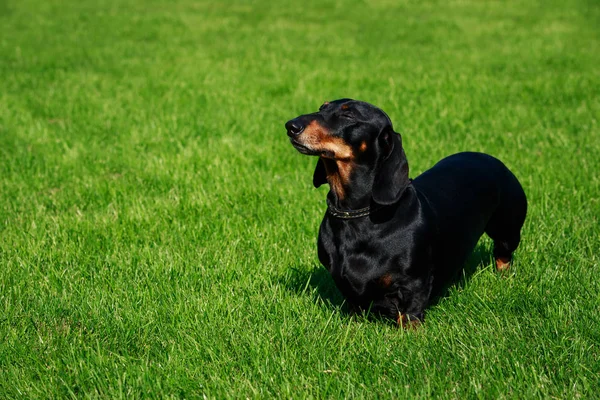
{"points": [[158, 231]]}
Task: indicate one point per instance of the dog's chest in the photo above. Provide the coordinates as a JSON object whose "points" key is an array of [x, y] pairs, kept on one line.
{"points": [[358, 261]]}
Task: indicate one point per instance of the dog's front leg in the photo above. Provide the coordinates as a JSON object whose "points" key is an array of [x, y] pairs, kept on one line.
{"points": [[413, 312], [408, 321]]}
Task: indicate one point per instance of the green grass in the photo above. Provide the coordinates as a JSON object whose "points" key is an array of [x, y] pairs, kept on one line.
{"points": [[157, 230]]}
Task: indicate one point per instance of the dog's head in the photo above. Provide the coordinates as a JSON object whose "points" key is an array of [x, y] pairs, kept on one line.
{"points": [[359, 152]]}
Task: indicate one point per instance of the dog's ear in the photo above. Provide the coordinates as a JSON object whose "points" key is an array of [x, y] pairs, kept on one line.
{"points": [[392, 177], [320, 175]]}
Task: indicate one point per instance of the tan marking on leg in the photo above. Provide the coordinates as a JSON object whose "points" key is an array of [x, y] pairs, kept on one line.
{"points": [[502, 263], [386, 280], [408, 323]]}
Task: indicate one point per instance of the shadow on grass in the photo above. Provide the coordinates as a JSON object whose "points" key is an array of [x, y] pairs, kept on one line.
{"points": [[318, 282], [480, 257]]}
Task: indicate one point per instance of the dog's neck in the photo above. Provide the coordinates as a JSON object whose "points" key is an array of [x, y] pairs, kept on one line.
{"points": [[342, 194]]}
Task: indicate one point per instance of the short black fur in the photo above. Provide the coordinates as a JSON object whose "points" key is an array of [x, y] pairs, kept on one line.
{"points": [[419, 234]]}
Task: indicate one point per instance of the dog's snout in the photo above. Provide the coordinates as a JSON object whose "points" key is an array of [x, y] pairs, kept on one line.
{"points": [[294, 127]]}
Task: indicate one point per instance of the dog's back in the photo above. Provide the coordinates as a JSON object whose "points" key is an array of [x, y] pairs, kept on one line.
{"points": [[469, 194]]}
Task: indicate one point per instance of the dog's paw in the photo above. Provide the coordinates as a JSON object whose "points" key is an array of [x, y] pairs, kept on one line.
{"points": [[502, 264], [408, 322]]}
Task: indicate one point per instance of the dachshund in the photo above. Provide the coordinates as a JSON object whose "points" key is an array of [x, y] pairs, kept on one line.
{"points": [[392, 244]]}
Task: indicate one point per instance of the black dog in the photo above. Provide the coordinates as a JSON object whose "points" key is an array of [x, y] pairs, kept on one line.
{"points": [[392, 244]]}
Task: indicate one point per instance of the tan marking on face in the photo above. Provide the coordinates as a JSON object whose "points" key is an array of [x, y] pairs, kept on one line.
{"points": [[338, 175], [337, 156], [363, 147], [344, 106], [502, 263], [318, 138], [385, 280]]}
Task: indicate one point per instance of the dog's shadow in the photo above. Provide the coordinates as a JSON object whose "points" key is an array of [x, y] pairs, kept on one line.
{"points": [[481, 257], [317, 281]]}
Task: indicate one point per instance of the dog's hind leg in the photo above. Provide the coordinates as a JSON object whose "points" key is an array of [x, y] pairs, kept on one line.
{"points": [[505, 227], [503, 249]]}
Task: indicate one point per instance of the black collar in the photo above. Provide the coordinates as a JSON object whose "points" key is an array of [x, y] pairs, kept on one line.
{"points": [[348, 214]]}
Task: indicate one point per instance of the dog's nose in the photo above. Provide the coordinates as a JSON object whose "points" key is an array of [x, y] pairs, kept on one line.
{"points": [[294, 127]]}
